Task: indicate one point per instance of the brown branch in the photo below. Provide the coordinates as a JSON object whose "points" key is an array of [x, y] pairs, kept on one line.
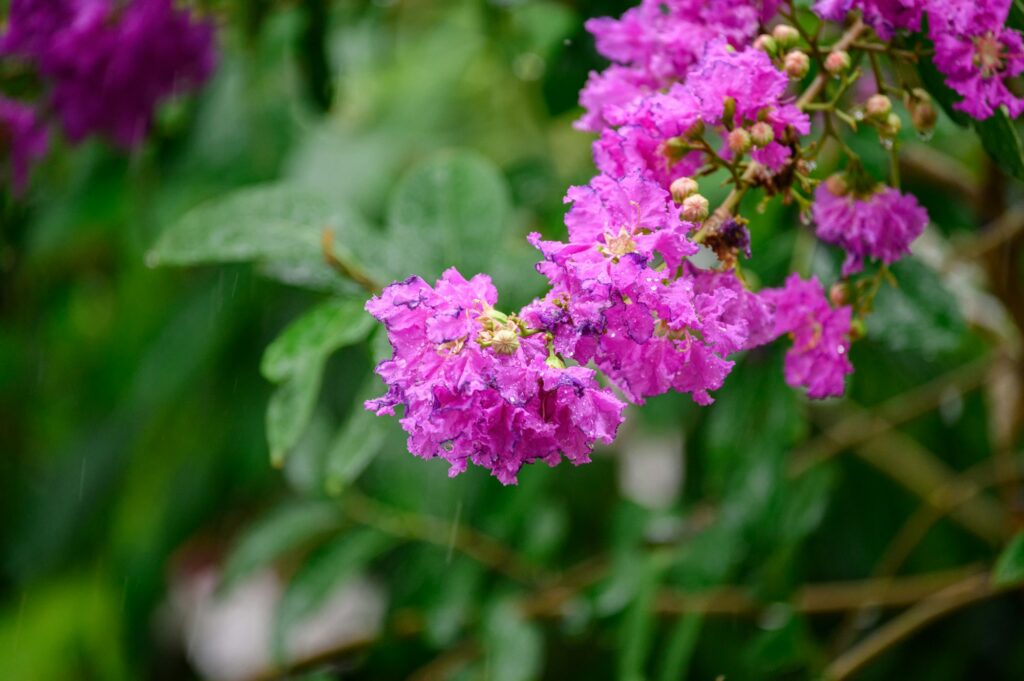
{"points": [[862, 426], [972, 589], [918, 470]]}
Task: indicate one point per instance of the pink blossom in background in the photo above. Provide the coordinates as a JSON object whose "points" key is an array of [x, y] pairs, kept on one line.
{"points": [[879, 225]]}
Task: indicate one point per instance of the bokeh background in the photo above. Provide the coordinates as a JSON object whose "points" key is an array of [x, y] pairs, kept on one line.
{"points": [[146, 535]]}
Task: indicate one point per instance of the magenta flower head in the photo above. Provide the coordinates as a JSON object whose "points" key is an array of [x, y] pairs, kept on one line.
{"points": [[657, 43], [476, 386], [107, 65], [23, 140], [873, 222], [818, 359], [885, 16], [978, 54]]}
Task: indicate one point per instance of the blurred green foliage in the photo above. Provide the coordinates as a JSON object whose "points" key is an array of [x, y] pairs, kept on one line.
{"points": [[422, 135]]}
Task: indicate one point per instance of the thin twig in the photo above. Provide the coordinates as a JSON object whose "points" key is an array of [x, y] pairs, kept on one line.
{"points": [[343, 266], [971, 590], [861, 427]]}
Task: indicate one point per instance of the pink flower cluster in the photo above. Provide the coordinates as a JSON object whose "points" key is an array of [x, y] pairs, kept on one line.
{"points": [[473, 388], [974, 49], [104, 65], [622, 295], [686, 94], [818, 358], [727, 91], [977, 54], [880, 224], [656, 44]]}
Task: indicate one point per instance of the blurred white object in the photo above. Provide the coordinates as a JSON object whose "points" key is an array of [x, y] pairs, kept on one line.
{"points": [[229, 637], [651, 468]]}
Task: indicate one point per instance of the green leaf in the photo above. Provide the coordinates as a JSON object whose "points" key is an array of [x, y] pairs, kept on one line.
{"points": [[1001, 140], [331, 325], [296, 360], [919, 316], [357, 443], [637, 630], [284, 529], [678, 651], [290, 409], [277, 226], [326, 569], [514, 645], [1009, 569], [449, 211]]}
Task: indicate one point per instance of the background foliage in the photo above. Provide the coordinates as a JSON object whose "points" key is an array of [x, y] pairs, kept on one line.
{"points": [[170, 324]]}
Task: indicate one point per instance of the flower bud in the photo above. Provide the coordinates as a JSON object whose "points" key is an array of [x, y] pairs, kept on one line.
{"points": [[739, 141], [922, 112], [797, 64], [761, 134], [766, 43], [837, 62], [837, 185], [695, 208], [785, 36], [878, 107], [695, 131], [683, 187], [505, 342], [892, 126], [839, 294]]}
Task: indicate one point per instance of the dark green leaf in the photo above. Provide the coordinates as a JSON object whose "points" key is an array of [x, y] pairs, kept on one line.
{"points": [[1009, 569], [637, 630], [290, 408], [1001, 140], [919, 315], [274, 535], [356, 444]]}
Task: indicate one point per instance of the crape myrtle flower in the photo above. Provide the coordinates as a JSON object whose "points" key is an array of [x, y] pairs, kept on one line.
{"points": [[818, 359], [728, 89], [106, 65], [876, 221], [884, 16], [977, 54], [657, 42], [624, 296], [475, 388], [23, 140]]}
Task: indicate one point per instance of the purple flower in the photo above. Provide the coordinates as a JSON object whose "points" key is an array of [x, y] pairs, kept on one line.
{"points": [[885, 16], [473, 388], [23, 140], [880, 223], [725, 89], [818, 359], [624, 296], [109, 64], [657, 42], [977, 54]]}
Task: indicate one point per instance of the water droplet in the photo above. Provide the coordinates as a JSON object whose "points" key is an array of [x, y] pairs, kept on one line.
{"points": [[811, 166], [841, 350], [805, 218], [858, 115], [925, 135], [887, 143]]}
